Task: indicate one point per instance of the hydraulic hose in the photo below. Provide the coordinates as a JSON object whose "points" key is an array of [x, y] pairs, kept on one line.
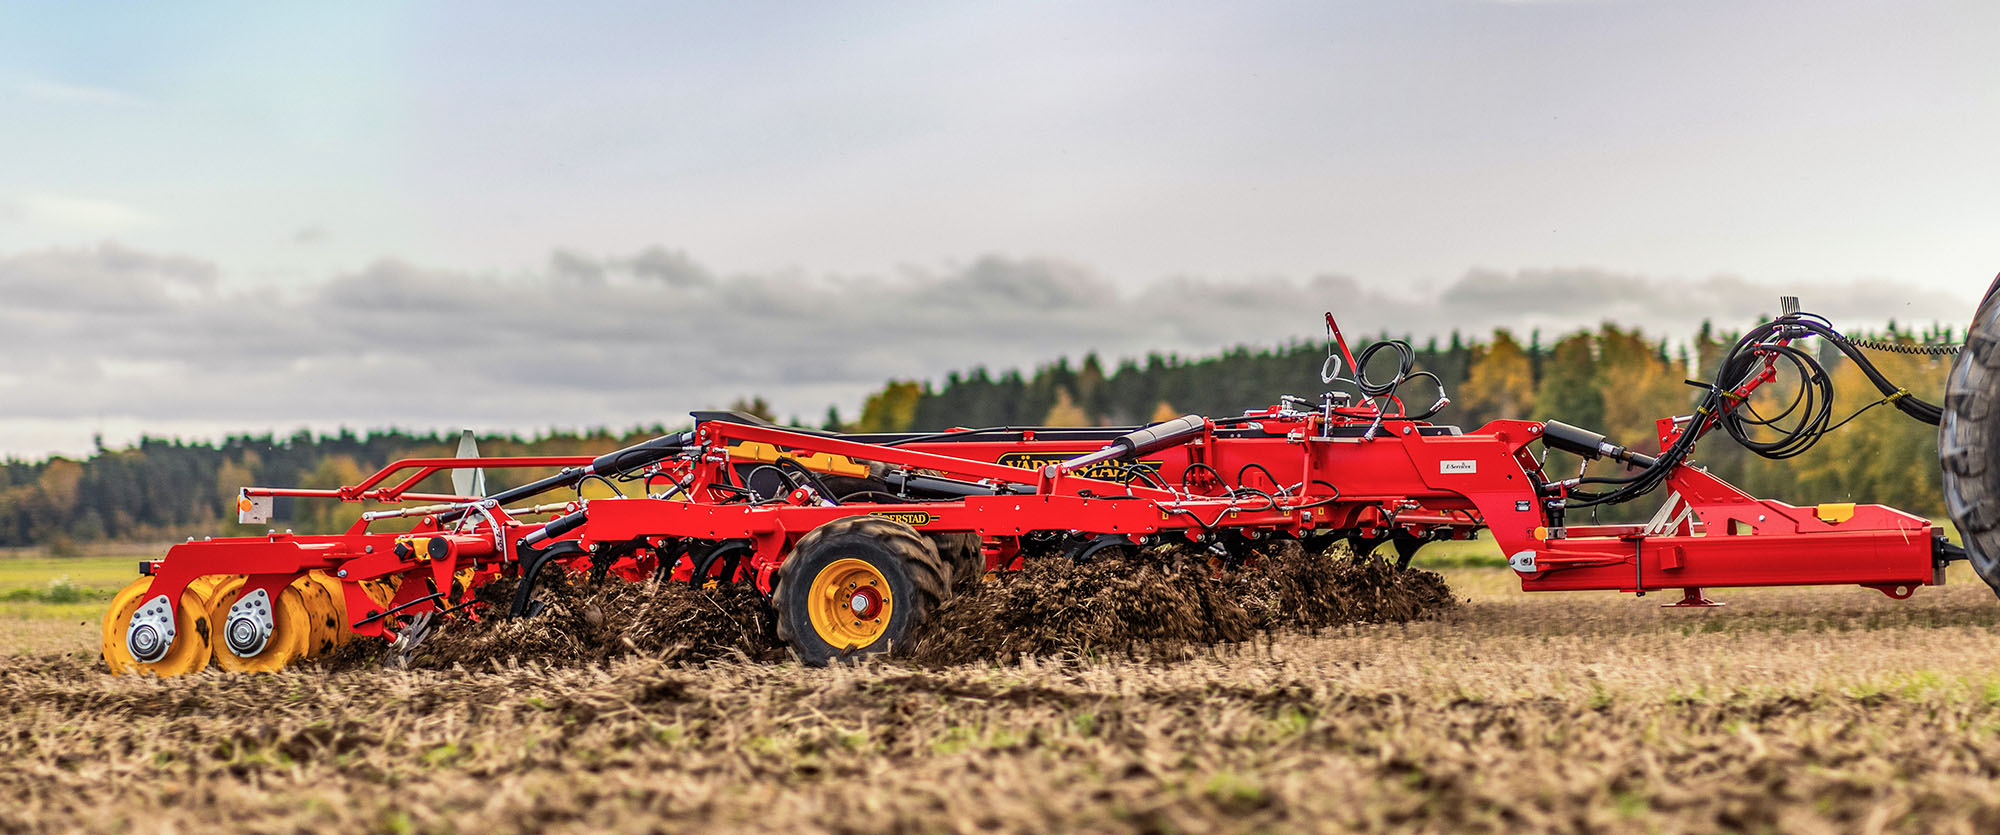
{"points": [[1813, 406]]}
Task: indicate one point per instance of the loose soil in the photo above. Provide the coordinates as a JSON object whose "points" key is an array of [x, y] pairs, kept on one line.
{"points": [[1813, 711], [1164, 603]]}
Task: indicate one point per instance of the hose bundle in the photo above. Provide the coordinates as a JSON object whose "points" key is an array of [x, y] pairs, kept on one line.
{"points": [[1386, 392], [1799, 426]]}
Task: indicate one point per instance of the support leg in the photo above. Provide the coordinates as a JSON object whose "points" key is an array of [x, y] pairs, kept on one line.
{"points": [[1691, 598]]}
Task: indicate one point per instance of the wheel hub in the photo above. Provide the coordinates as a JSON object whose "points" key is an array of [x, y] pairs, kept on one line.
{"points": [[147, 643], [151, 632], [250, 625], [850, 604], [866, 603]]}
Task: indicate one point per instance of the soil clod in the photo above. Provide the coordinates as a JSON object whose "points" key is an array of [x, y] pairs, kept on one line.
{"points": [[1165, 603]]}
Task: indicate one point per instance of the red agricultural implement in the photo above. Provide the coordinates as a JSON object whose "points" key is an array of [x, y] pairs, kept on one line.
{"points": [[855, 537]]}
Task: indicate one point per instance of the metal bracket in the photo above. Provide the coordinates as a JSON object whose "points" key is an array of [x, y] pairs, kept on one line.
{"points": [[151, 633], [1523, 562], [252, 510], [250, 624]]}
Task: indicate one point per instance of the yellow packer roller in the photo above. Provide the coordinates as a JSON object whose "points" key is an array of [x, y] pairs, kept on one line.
{"points": [[182, 630]]}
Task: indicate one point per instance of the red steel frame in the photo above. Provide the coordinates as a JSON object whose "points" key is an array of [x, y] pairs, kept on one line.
{"points": [[1318, 480]]}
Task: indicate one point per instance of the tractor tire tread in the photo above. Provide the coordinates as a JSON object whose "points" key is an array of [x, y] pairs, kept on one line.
{"points": [[928, 573], [1969, 440]]}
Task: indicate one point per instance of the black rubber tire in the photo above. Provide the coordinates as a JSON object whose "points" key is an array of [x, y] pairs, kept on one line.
{"points": [[1969, 440], [965, 556], [918, 580]]}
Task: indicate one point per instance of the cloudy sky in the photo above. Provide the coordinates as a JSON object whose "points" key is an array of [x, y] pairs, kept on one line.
{"points": [[254, 217]]}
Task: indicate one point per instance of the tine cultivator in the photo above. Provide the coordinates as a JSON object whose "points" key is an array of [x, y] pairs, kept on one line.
{"points": [[855, 538]]}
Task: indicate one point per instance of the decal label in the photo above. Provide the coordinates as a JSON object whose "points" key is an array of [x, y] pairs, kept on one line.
{"points": [[1457, 467], [1108, 471], [913, 518]]}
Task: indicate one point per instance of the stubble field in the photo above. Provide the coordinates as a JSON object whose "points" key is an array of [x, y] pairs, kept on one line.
{"points": [[1810, 710]]}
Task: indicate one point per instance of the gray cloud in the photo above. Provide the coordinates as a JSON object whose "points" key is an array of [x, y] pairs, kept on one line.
{"points": [[107, 279], [1559, 298], [112, 333], [671, 266]]}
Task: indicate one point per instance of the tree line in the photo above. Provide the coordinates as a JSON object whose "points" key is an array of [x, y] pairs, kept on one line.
{"points": [[1610, 379]]}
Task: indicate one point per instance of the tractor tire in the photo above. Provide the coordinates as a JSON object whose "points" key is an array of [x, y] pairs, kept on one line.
{"points": [[857, 586], [965, 556], [1969, 440]]}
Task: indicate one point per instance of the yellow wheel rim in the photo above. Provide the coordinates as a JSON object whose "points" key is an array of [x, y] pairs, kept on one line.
{"points": [[291, 630], [189, 651], [849, 604]]}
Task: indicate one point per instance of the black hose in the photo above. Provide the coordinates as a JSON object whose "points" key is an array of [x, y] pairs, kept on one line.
{"points": [[1921, 350], [811, 478], [1813, 405], [1406, 359]]}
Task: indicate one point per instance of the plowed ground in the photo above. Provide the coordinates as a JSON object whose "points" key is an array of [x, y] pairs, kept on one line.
{"points": [[1833, 710]]}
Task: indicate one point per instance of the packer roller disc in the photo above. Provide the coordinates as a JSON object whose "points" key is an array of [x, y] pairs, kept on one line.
{"points": [[186, 646], [263, 637], [326, 605]]}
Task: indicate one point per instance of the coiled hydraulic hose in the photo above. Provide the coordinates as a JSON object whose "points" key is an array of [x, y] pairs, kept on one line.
{"points": [[1721, 406], [1922, 350], [1406, 361]]}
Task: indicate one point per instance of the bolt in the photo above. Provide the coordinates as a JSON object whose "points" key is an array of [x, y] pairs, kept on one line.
{"points": [[341, 573]]}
